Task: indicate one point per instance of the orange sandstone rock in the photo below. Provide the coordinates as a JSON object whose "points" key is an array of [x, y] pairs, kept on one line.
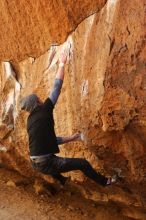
{"points": [[104, 92], [28, 28]]}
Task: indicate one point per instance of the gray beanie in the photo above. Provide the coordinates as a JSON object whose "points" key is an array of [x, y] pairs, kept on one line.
{"points": [[29, 102]]}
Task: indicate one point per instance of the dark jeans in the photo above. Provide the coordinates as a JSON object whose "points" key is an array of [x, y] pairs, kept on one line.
{"points": [[55, 165]]}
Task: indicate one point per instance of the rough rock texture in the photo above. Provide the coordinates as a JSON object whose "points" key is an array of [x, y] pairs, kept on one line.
{"points": [[28, 28], [103, 96]]}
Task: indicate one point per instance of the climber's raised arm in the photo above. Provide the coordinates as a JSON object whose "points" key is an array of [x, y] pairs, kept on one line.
{"points": [[55, 92]]}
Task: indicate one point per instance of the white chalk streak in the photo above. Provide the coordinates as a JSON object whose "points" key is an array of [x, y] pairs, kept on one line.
{"points": [[3, 149]]}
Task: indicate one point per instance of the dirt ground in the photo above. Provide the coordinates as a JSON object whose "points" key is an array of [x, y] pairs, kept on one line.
{"points": [[19, 200]]}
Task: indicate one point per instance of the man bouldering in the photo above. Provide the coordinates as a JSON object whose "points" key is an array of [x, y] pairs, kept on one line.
{"points": [[43, 143]]}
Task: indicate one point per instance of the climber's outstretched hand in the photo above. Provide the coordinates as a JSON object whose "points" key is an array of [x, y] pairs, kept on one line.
{"points": [[77, 137], [63, 57]]}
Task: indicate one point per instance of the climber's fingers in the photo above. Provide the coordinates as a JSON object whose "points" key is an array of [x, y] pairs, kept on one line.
{"points": [[64, 55]]}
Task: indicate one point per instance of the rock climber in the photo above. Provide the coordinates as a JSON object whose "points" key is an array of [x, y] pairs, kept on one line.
{"points": [[43, 142]]}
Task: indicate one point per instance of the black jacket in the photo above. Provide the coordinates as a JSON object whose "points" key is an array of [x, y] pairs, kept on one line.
{"points": [[40, 128]]}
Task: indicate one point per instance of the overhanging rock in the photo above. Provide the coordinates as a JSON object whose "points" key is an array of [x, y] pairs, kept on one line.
{"points": [[28, 28]]}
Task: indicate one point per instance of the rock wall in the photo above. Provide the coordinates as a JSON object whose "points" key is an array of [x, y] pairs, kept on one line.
{"points": [[103, 94], [28, 28]]}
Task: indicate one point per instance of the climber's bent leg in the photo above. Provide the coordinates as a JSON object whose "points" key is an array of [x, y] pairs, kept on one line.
{"points": [[60, 178], [62, 165], [55, 165]]}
